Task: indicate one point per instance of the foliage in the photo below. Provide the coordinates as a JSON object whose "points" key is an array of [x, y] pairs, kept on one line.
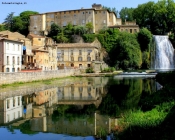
{"points": [[126, 53], [80, 30], [109, 69], [8, 22], [111, 10], [89, 70], [126, 14], [2, 27], [89, 38], [145, 38], [19, 23], [89, 27], [158, 17], [54, 30]]}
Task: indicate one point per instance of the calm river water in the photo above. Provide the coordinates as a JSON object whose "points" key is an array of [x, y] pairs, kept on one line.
{"points": [[69, 108]]}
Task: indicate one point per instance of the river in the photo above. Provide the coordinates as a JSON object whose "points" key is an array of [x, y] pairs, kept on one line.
{"points": [[69, 108]]}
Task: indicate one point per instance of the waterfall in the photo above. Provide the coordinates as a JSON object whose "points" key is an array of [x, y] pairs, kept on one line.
{"points": [[163, 56]]}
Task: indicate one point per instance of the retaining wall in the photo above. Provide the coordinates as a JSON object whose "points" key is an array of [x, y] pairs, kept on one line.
{"points": [[8, 78]]}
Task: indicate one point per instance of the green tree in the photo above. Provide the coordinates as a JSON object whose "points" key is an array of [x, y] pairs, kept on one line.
{"points": [[126, 53], [89, 27], [126, 14], [60, 38], [2, 27], [54, 30], [68, 30], [8, 22]]}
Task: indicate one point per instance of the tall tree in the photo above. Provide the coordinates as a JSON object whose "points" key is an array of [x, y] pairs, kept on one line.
{"points": [[126, 14], [8, 22]]}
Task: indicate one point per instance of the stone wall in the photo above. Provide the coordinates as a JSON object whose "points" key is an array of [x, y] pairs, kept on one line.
{"points": [[8, 78]]}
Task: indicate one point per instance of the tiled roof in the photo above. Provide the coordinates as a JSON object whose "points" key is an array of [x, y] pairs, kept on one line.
{"points": [[35, 36]]}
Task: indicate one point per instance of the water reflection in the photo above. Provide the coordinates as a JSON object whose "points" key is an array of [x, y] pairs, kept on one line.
{"points": [[79, 107]]}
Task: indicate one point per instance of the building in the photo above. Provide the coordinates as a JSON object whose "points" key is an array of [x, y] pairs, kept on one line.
{"points": [[80, 55], [10, 55], [45, 54], [27, 54], [40, 23], [11, 109], [128, 26]]}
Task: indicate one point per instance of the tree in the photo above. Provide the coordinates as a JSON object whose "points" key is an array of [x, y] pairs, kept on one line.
{"points": [[126, 14], [89, 27], [145, 39], [68, 30], [111, 10], [126, 53], [19, 23], [60, 38], [2, 27], [54, 30], [9, 21]]}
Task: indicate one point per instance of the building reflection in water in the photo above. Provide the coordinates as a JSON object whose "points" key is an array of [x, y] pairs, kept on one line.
{"points": [[39, 106]]}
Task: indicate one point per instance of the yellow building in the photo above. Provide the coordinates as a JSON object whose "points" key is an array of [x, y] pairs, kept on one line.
{"points": [[45, 54], [78, 55], [99, 17]]}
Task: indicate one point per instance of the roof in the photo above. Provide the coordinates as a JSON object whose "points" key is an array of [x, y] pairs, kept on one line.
{"points": [[35, 36], [3, 38], [119, 26], [82, 9]]}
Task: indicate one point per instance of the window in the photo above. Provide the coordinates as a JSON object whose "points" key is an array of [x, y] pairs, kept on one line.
{"points": [[89, 52], [89, 12], [95, 12], [126, 30], [7, 69], [80, 52], [13, 69], [79, 58], [103, 12], [104, 21], [8, 104], [13, 102], [83, 12], [7, 46], [83, 21], [130, 30], [39, 39], [13, 47], [7, 60], [18, 101], [88, 58], [80, 89], [18, 61], [72, 52], [13, 60], [72, 58], [135, 30], [62, 52]]}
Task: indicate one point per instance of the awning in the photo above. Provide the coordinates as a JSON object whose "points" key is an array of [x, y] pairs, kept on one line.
{"points": [[24, 47]]}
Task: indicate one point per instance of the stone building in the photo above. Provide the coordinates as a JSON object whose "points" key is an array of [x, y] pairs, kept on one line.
{"points": [[99, 17], [45, 55], [10, 55], [78, 55], [128, 26]]}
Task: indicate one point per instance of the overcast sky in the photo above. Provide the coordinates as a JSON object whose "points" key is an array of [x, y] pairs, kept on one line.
{"points": [[43, 6]]}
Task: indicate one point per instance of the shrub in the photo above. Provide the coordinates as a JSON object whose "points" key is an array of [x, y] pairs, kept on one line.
{"points": [[89, 70]]}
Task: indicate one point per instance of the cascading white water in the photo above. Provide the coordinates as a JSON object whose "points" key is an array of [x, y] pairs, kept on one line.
{"points": [[164, 53]]}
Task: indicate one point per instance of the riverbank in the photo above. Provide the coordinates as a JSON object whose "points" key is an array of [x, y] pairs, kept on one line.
{"points": [[23, 77], [155, 117]]}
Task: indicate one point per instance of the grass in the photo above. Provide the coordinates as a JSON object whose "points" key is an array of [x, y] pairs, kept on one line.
{"points": [[47, 82]]}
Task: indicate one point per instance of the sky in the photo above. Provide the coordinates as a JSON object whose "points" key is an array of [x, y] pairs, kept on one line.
{"points": [[43, 6]]}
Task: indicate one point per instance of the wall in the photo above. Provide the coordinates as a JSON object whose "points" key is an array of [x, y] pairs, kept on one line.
{"points": [[8, 78]]}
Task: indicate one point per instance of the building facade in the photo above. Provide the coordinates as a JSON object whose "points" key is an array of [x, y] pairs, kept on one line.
{"points": [[99, 17], [10, 55], [78, 55]]}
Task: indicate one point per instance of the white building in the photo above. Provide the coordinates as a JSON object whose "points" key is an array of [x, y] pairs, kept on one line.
{"points": [[11, 109], [10, 55]]}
